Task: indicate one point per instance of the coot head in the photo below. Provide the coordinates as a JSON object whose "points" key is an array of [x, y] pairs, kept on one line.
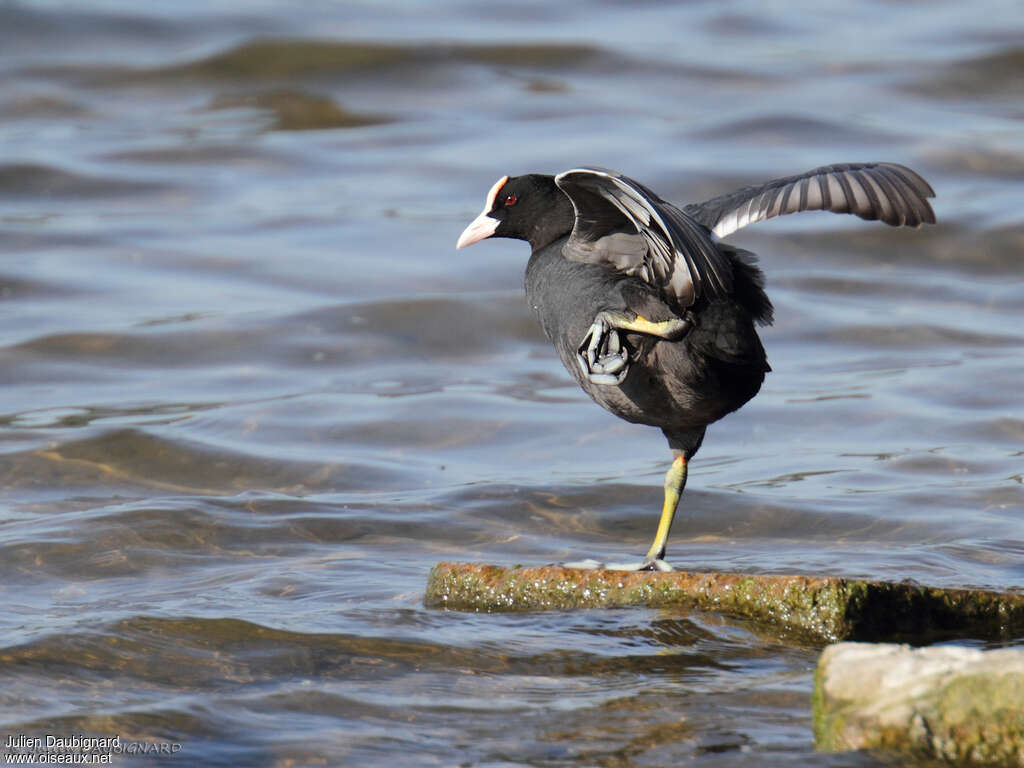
{"points": [[526, 207]]}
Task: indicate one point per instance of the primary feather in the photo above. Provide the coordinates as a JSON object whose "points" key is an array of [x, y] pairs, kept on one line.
{"points": [[889, 192]]}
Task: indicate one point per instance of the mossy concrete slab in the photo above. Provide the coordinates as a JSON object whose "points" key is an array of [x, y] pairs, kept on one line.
{"points": [[963, 706], [828, 608]]}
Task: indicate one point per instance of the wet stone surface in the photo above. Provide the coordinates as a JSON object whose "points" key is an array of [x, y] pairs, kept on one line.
{"points": [[823, 608]]}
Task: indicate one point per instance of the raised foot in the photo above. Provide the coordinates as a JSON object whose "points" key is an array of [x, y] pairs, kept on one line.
{"points": [[650, 564], [602, 355]]}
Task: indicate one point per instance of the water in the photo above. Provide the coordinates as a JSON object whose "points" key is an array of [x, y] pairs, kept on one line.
{"points": [[252, 393]]}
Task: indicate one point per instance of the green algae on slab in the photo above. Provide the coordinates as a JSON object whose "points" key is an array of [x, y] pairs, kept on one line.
{"points": [[829, 608], [963, 706]]}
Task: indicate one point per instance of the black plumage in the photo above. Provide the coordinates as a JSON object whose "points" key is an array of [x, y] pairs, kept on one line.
{"points": [[653, 316]]}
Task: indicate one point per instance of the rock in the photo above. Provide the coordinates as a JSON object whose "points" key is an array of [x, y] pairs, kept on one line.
{"points": [[963, 706], [826, 608]]}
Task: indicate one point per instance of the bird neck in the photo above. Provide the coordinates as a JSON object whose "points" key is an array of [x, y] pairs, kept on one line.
{"points": [[543, 214], [556, 222]]}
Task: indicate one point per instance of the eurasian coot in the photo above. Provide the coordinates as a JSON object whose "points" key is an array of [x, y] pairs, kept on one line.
{"points": [[651, 314]]}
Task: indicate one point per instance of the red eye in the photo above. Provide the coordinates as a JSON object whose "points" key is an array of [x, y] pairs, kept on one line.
{"points": [[510, 200]]}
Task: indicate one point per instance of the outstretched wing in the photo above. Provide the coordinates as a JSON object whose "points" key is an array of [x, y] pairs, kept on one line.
{"points": [[887, 191], [621, 223]]}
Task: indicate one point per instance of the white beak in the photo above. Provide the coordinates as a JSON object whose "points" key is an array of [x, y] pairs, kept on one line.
{"points": [[481, 227]]}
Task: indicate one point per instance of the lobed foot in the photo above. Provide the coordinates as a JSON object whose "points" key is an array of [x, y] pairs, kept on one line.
{"points": [[649, 564], [583, 565], [602, 355]]}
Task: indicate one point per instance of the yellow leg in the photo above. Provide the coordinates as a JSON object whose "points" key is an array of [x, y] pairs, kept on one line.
{"points": [[665, 329], [675, 480]]}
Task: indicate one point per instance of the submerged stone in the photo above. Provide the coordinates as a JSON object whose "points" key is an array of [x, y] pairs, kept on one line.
{"points": [[297, 110]]}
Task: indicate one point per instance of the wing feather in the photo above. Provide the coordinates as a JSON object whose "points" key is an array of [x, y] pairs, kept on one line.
{"points": [[667, 248], [901, 209], [889, 192]]}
